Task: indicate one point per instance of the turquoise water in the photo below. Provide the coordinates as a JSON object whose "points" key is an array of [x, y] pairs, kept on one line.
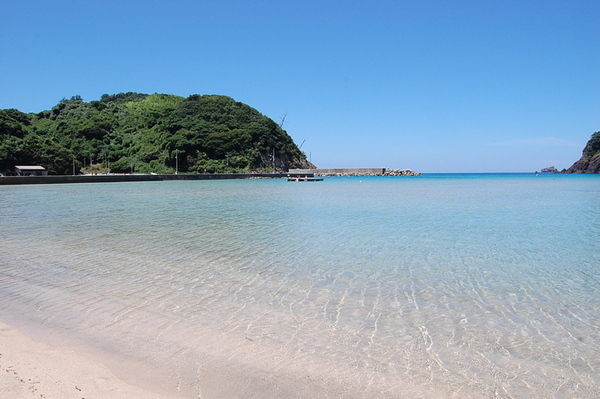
{"points": [[431, 286]]}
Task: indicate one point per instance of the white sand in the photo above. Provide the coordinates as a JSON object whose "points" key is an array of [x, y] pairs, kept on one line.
{"points": [[30, 369]]}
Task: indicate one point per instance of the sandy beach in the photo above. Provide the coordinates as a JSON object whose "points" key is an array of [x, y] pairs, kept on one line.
{"points": [[30, 369]]}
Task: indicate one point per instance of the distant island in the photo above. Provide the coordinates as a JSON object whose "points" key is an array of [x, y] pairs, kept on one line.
{"points": [[590, 159], [550, 169], [141, 133]]}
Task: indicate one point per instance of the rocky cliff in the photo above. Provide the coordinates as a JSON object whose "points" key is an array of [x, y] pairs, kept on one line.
{"points": [[590, 159]]}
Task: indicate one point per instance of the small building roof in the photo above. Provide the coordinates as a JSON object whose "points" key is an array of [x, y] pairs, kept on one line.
{"points": [[29, 167]]}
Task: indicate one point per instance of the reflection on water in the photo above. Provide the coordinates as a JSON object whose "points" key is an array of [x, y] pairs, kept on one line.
{"points": [[476, 286]]}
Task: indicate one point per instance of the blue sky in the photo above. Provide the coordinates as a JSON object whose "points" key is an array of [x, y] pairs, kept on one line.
{"points": [[431, 85]]}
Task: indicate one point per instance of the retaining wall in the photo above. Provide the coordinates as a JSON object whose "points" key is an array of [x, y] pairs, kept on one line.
{"points": [[61, 179]]}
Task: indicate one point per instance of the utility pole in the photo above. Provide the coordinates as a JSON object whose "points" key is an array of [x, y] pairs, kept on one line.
{"points": [[176, 161]]}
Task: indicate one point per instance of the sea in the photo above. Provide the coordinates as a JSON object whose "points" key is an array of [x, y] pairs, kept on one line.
{"points": [[432, 286]]}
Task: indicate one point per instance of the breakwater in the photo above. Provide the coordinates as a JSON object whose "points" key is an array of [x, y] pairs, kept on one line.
{"points": [[357, 172], [62, 179]]}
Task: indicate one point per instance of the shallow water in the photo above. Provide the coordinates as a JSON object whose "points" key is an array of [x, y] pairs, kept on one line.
{"points": [[439, 285]]}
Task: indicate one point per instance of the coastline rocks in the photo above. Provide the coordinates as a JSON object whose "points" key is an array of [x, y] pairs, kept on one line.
{"points": [[591, 165], [400, 172]]}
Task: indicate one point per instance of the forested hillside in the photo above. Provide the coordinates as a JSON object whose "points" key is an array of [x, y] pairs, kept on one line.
{"points": [[590, 158], [134, 132]]}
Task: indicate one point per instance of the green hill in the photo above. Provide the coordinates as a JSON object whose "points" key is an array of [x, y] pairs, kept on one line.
{"points": [[135, 132], [590, 159]]}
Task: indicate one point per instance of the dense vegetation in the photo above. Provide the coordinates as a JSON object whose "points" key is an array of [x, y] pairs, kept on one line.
{"points": [[593, 146], [134, 132]]}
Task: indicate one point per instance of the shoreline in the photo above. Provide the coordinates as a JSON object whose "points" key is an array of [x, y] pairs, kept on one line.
{"points": [[33, 369], [62, 179]]}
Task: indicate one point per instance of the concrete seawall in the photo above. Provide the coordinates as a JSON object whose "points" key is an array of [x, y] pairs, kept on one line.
{"points": [[342, 171], [357, 172], [62, 179]]}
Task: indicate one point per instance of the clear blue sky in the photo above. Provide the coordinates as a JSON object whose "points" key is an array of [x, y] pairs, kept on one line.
{"points": [[453, 86]]}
